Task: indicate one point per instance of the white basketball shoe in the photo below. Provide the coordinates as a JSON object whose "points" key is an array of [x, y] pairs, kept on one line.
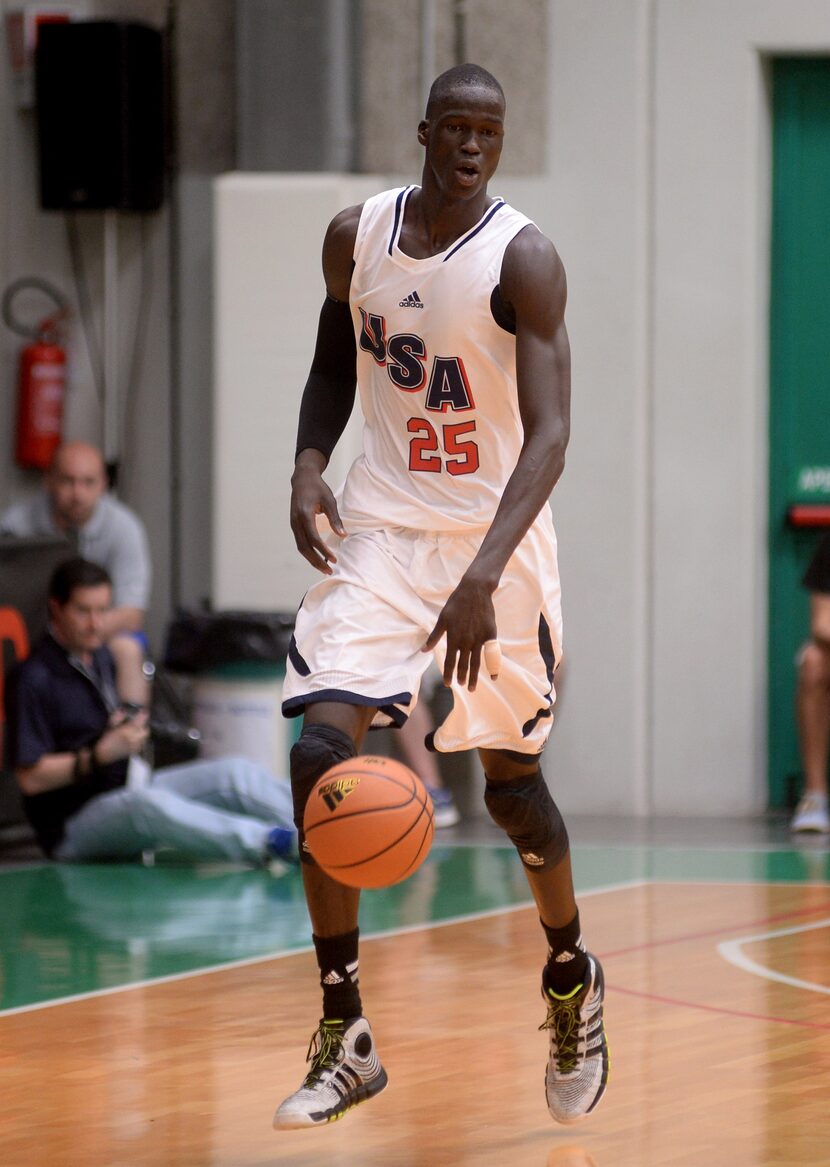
{"points": [[577, 1070], [344, 1072]]}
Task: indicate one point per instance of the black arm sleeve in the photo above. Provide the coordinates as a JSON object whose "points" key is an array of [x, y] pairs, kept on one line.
{"points": [[328, 397]]}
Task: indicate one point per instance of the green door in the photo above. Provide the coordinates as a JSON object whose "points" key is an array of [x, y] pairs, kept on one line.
{"points": [[799, 439]]}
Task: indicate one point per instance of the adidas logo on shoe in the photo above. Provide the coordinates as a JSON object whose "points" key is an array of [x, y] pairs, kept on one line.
{"points": [[564, 957], [413, 300]]}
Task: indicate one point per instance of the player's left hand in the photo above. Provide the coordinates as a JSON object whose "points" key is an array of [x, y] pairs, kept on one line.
{"points": [[469, 621]]}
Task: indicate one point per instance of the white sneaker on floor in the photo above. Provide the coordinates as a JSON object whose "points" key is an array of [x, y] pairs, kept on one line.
{"points": [[344, 1071], [811, 814]]}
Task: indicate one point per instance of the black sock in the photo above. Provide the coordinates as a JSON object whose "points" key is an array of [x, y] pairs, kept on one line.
{"points": [[567, 965], [337, 960]]}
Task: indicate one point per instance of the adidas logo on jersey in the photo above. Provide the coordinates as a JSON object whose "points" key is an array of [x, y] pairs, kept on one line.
{"points": [[413, 300]]}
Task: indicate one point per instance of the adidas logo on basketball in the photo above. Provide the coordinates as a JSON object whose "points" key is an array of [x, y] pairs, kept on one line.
{"points": [[413, 300], [333, 793]]}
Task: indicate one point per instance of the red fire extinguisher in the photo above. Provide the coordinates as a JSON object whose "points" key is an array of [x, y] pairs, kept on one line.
{"points": [[42, 377]]}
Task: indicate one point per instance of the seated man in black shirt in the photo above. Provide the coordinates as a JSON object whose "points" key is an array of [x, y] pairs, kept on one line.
{"points": [[73, 750]]}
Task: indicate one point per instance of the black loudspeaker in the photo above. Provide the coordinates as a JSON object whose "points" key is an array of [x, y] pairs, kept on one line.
{"points": [[101, 116]]}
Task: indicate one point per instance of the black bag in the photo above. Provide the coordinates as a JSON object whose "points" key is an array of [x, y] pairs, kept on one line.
{"points": [[198, 642]]}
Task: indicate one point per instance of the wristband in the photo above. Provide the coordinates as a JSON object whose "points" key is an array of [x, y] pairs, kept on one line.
{"points": [[83, 766]]}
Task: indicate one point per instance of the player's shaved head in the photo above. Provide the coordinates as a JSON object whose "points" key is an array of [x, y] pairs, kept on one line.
{"points": [[459, 77]]}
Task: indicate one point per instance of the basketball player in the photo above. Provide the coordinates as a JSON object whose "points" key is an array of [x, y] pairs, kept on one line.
{"points": [[446, 306]]}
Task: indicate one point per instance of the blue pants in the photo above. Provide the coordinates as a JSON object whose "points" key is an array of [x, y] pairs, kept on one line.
{"points": [[221, 809]]}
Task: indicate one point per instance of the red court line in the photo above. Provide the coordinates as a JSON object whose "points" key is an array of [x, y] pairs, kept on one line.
{"points": [[716, 1009], [817, 910]]}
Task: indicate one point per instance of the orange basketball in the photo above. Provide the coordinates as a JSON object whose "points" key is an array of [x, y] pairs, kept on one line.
{"points": [[369, 822]]}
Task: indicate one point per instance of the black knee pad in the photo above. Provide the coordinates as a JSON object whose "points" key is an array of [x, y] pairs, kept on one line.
{"points": [[524, 809], [319, 748]]}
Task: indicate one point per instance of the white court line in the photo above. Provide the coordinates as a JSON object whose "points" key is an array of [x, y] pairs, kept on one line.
{"points": [[621, 845], [251, 960], [742, 882], [731, 950]]}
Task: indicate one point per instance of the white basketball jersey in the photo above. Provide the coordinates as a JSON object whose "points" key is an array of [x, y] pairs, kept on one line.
{"points": [[436, 375]]}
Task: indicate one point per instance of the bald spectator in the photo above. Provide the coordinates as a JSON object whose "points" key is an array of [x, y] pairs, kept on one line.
{"points": [[77, 504]]}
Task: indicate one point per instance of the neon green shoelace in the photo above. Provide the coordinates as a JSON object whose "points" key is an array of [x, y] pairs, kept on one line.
{"points": [[323, 1050], [563, 1018]]}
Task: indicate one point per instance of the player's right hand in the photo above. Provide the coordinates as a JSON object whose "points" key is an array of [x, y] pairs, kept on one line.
{"points": [[310, 497]]}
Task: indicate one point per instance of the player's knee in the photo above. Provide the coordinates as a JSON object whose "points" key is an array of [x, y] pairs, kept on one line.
{"points": [[318, 749], [525, 810]]}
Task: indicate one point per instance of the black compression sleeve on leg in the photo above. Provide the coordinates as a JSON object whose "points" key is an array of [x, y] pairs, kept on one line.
{"points": [[319, 748], [524, 809], [328, 397]]}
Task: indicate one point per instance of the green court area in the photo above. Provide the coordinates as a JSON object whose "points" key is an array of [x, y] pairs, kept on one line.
{"points": [[71, 929]]}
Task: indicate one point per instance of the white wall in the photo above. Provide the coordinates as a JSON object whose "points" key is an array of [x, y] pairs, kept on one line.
{"points": [[657, 197], [660, 179], [597, 213], [268, 293], [710, 392]]}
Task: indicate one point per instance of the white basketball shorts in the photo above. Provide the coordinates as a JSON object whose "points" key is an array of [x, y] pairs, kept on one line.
{"points": [[359, 634]]}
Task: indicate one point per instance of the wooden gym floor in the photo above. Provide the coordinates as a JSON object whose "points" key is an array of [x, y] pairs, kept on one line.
{"points": [[155, 1016]]}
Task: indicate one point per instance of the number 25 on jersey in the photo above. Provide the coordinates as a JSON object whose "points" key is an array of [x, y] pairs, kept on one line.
{"points": [[404, 358]]}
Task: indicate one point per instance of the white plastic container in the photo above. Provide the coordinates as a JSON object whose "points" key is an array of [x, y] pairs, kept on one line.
{"points": [[243, 718]]}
